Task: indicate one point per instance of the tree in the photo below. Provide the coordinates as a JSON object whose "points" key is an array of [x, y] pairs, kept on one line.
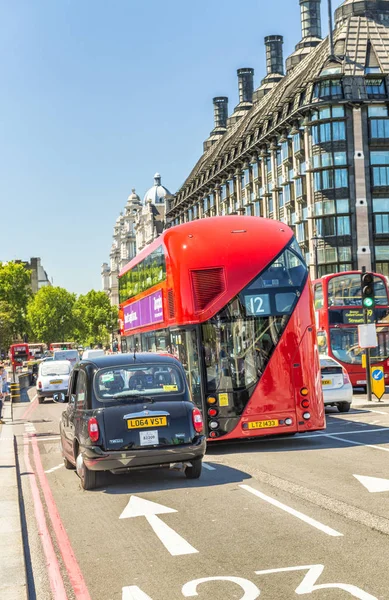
{"points": [[95, 318], [50, 315], [15, 292]]}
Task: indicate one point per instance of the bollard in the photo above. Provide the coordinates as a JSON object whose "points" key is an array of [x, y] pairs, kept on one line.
{"points": [[15, 392]]}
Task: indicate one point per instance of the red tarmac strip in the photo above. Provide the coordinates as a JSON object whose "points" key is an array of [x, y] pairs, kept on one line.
{"points": [[30, 408], [70, 561], [54, 573]]}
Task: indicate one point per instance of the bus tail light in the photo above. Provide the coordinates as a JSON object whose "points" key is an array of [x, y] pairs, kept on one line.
{"points": [[346, 378], [213, 434], [288, 421], [304, 391], [211, 400], [93, 429], [305, 403], [197, 420], [213, 412], [307, 415], [213, 424]]}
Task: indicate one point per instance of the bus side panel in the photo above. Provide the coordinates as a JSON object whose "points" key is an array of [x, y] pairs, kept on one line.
{"points": [[294, 364]]}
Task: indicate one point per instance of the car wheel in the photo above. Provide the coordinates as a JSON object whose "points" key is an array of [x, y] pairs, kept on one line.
{"points": [[344, 407], [194, 471], [87, 477]]}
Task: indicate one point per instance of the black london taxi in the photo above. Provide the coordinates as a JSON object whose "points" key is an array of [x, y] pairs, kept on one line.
{"points": [[129, 412]]}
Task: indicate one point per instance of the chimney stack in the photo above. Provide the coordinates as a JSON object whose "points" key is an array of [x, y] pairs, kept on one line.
{"points": [[274, 58], [310, 18], [220, 109], [246, 84]]}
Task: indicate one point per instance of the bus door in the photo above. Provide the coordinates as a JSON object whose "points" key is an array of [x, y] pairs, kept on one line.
{"points": [[184, 346]]}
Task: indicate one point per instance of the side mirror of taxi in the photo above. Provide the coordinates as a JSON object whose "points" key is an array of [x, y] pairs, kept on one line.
{"points": [[60, 397]]}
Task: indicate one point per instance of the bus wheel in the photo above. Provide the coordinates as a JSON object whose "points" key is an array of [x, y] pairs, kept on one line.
{"points": [[344, 407], [194, 471]]}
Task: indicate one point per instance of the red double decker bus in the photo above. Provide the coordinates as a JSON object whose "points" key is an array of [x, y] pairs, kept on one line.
{"points": [[61, 346], [338, 306], [18, 354], [230, 297]]}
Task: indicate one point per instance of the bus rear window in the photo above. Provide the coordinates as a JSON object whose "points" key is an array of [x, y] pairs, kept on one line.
{"points": [[345, 290]]}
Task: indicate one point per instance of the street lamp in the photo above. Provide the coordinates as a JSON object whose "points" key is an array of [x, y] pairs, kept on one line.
{"points": [[315, 239]]}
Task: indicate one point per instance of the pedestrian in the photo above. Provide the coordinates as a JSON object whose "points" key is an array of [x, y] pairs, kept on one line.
{"points": [[3, 390]]}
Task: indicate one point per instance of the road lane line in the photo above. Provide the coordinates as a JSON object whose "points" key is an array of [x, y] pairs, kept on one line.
{"points": [[335, 437], [69, 559], [206, 466], [48, 439], [54, 468], [54, 573], [318, 435], [292, 511], [379, 412]]}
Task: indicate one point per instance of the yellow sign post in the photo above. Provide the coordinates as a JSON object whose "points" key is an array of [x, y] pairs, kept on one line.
{"points": [[377, 381]]}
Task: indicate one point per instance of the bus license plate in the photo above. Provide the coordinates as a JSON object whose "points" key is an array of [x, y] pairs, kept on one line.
{"points": [[263, 424], [326, 381], [147, 422]]}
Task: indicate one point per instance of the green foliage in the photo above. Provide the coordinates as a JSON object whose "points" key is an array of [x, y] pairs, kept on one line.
{"points": [[15, 291], [50, 315], [95, 319]]}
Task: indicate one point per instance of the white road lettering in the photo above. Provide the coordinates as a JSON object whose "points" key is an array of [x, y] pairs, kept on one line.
{"points": [[132, 592], [307, 586], [373, 484], [292, 511], [173, 542], [251, 592], [54, 468]]}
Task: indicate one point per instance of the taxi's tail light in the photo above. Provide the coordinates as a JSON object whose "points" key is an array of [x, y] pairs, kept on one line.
{"points": [[39, 385], [346, 378], [197, 420], [93, 429]]}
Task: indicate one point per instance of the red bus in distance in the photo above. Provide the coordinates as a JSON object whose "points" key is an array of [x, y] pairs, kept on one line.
{"points": [[338, 306], [231, 298], [61, 346], [18, 354]]}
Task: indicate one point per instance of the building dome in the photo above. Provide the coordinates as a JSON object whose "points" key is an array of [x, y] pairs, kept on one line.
{"points": [[158, 193], [133, 198]]}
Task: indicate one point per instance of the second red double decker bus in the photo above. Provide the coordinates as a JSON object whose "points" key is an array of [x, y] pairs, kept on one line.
{"points": [[338, 305], [230, 297]]}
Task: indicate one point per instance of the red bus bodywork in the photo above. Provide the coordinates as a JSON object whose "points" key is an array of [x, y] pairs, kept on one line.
{"points": [[61, 346], [338, 305], [209, 262], [19, 353]]}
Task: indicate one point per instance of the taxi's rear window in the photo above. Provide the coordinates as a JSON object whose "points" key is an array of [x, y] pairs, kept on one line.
{"points": [[137, 381]]}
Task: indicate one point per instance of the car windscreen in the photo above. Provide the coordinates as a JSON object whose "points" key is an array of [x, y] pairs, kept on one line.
{"points": [[137, 381], [51, 368]]}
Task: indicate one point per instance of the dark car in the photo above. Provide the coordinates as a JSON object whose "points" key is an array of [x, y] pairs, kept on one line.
{"points": [[128, 412]]}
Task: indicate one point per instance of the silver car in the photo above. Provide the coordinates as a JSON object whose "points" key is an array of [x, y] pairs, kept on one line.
{"points": [[337, 388]]}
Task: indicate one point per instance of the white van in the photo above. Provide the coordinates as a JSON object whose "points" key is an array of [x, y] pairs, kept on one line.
{"points": [[71, 355], [88, 354]]}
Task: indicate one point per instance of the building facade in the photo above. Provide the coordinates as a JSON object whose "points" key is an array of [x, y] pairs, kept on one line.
{"points": [[135, 228], [309, 147], [39, 277]]}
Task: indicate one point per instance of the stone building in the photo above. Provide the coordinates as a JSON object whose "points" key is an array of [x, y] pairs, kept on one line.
{"points": [[310, 146], [39, 277], [134, 229], [123, 247]]}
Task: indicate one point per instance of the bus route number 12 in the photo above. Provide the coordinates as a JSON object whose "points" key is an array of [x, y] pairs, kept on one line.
{"points": [[258, 305]]}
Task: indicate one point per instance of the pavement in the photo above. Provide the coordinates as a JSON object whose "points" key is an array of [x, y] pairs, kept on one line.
{"points": [[13, 580], [278, 517]]}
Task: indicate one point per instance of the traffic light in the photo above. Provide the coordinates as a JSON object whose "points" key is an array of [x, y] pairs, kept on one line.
{"points": [[367, 285]]}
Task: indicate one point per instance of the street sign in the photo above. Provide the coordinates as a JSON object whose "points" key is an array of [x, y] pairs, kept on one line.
{"points": [[173, 542], [367, 336], [378, 381]]}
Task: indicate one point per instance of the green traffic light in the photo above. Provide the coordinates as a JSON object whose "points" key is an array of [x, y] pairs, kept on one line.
{"points": [[368, 302]]}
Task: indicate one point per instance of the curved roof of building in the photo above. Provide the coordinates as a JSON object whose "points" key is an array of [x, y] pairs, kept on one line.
{"points": [[158, 193]]}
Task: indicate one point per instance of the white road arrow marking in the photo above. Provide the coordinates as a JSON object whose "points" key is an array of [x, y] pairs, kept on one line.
{"points": [[173, 542], [132, 592], [373, 484]]}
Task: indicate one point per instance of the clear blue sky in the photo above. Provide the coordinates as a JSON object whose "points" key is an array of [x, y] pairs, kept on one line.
{"points": [[97, 96]]}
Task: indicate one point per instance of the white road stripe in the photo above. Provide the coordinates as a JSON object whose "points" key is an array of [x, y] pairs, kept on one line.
{"points": [[54, 468], [335, 437], [292, 511], [48, 439], [206, 466], [317, 435], [379, 412]]}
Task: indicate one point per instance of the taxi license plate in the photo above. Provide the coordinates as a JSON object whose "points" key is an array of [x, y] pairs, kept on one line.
{"points": [[56, 381], [147, 422], [326, 381], [263, 424]]}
